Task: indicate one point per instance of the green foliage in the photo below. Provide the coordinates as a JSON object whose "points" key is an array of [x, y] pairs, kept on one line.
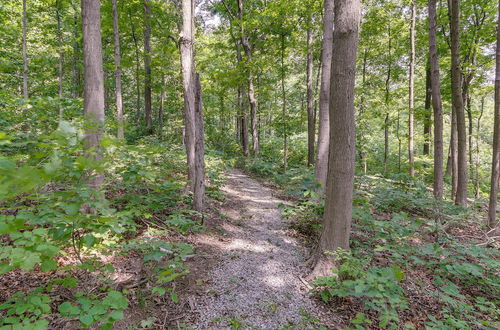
{"points": [[90, 310], [26, 311], [377, 287]]}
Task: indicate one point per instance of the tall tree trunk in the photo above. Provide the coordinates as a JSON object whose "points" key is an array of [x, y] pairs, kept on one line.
{"points": [[283, 99], [324, 95], [495, 166], [411, 101], [453, 167], [478, 155], [338, 204], [186, 42], [199, 185], [93, 84], [76, 52], [147, 67], [137, 70], [362, 107], [311, 124], [457, 103], [118, 72], [162, 106], [428, 112], [25, 51], [60, 57], [252, 100], [436, 103], [387, 99]]}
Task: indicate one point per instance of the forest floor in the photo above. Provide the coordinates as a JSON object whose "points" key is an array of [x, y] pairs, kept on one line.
{"points": [[255, 279]]}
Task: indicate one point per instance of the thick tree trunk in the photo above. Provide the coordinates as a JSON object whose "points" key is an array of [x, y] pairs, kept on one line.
{"points": [[147, 67], [411, 101], [118, 72], [495, 166], [436, 103], [25, 51], [199, 185], [311, 124], [60, 57], [428, 112], [93, 84], [186, 42], [324, 96], [458, 106], [338, 205]]}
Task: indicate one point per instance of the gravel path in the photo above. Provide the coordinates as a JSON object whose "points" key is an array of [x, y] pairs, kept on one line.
{"points": [[256, 284]]}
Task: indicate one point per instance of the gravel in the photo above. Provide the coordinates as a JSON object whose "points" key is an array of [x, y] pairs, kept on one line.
{"points": [[256, 284]]}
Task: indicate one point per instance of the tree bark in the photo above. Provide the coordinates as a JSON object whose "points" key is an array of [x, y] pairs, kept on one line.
{"points": [[428, 112], [161, 109], [25, 51], [387, 99], [137, 70], [76, 52], [199, 185], [283, 100], [411, 101], [118, 72], [495, 165], [338, 204], [252, 100], [458, 106], [311, 124], [186, 42], [93, 85], [60, 57], [147, 67], [436, 103], [324, 96]]}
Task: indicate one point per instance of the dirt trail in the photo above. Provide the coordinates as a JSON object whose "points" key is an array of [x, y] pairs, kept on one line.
{"points": [[256, 282]]}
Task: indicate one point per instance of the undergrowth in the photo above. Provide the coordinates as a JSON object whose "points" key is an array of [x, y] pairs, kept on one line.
{"points": [[406, 267], [45, 235]]}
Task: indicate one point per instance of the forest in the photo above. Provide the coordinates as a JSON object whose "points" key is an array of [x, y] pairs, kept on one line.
{"points": [[249, 164]]}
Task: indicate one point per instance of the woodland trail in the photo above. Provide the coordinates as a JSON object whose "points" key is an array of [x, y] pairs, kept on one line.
{"points": [[256, 282]]}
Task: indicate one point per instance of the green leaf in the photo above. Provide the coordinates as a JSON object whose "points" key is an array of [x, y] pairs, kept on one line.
{"points": [[48, 265], [86, 319], [67, 309]]}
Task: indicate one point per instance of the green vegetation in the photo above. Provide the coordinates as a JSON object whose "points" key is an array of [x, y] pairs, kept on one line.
{"points": [[119, 119]]}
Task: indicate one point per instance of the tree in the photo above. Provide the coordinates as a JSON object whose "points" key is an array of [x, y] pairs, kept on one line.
{"points": [[495, 166], [93, 84], [147, 67], [436, 103], [311, 123], [245, 42], [118, 71], [60, 57], [199, 185], [25, 51], [324, 95], [186, 41], [411, 101], [457, 103], [338, 205]]}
